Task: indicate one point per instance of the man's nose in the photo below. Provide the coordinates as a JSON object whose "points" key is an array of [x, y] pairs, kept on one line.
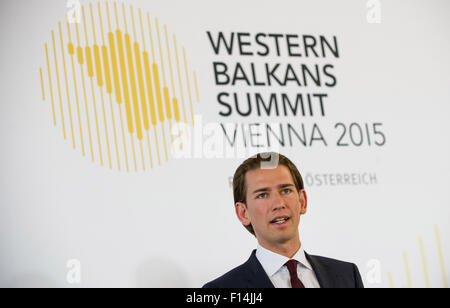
{"points": [[277, 202]]}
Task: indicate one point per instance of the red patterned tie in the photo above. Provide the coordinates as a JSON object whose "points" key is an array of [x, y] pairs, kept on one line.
{"points": [[295, 281]]}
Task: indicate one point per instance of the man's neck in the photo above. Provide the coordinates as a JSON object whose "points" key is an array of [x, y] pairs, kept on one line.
{"points": [[288, 249]]}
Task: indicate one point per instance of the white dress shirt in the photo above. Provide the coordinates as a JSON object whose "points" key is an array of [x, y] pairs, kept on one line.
{"points": [[274, 265]]}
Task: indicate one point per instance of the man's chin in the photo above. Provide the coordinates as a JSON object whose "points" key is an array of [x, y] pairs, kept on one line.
{"points": [[279, 236], [283, 237]]}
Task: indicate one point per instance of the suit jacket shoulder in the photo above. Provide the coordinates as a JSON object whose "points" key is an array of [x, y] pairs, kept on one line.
{"points": [[251, 274], [330, 273], [333, 273]]}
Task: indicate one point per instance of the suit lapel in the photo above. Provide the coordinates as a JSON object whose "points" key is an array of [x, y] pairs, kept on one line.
{"points": [[322, 273], [256, 275]]}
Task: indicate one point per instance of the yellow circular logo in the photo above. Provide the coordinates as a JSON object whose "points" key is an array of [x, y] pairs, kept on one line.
{"points": [[117, 96]]}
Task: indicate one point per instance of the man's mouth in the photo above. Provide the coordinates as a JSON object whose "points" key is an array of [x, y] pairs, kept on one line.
{"points": [[280, 220]]}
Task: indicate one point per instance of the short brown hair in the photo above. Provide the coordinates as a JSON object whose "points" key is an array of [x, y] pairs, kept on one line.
{"points": [[261, 161]]}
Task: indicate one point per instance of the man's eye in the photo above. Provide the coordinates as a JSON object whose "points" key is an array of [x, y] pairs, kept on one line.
{"points": [[261, 196], [286, 191]]}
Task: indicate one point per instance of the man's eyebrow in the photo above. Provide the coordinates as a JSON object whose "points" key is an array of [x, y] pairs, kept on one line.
{"points": [[264, 189]]}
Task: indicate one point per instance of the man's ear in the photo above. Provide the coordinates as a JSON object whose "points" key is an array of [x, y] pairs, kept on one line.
{"points": [[242, 213], [303, 201]]}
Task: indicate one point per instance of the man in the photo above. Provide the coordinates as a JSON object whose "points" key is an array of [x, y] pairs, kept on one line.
{"points": [[269, 199]]}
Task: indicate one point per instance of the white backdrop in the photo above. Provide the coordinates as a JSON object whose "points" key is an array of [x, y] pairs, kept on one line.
{"points": [[68, 221]]}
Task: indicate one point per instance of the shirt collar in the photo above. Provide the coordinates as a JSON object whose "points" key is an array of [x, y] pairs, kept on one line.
{"points": [[272, 262]]}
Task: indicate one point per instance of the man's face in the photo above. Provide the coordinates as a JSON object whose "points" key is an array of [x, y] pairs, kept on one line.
{"points": [[273, 206]]}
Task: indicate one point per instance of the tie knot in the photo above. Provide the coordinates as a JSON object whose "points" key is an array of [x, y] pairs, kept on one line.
{"points": [[292, 266]]}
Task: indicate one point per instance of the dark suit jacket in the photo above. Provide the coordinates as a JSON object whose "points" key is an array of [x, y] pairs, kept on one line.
{"points": [[329, 272]]}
